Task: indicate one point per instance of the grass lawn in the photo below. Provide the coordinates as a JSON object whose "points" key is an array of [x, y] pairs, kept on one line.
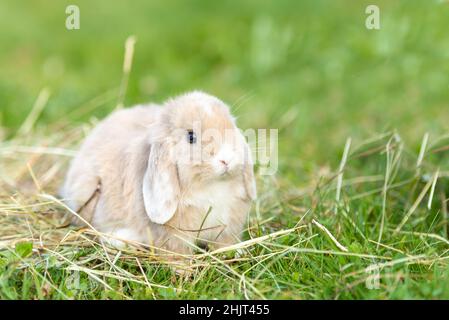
{"points": [[358, 208]]}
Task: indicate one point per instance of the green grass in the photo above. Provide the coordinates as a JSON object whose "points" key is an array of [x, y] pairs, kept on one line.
{"points": [[310, 69]]}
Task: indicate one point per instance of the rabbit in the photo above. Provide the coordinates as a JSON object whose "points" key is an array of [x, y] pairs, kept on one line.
{"points": [[173, 177]]}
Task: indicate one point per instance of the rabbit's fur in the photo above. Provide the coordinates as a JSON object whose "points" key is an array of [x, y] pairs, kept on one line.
{"points": [[134, 177]]}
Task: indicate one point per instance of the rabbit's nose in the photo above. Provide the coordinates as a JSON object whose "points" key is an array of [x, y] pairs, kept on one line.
{"points": [[224, 162], [226, 166]]}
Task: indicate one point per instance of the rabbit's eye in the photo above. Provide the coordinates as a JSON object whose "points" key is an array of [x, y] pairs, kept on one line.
{"points": [[191, 137]]}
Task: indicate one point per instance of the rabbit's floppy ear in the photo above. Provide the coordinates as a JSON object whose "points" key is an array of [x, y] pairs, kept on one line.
{"points": [[160, 185]]}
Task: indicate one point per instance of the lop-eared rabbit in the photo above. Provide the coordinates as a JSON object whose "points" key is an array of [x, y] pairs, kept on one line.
{"points": [[167, 176]]}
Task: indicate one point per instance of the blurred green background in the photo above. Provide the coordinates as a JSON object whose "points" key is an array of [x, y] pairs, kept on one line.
{"points": [[310, 68]]}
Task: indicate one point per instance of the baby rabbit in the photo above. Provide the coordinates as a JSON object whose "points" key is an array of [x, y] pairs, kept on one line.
{"points": [[167, 176]]}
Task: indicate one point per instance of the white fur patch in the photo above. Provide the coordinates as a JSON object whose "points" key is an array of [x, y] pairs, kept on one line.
{"points": [[207, 109], [205, 100], [116, 237], [215, 195]]}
